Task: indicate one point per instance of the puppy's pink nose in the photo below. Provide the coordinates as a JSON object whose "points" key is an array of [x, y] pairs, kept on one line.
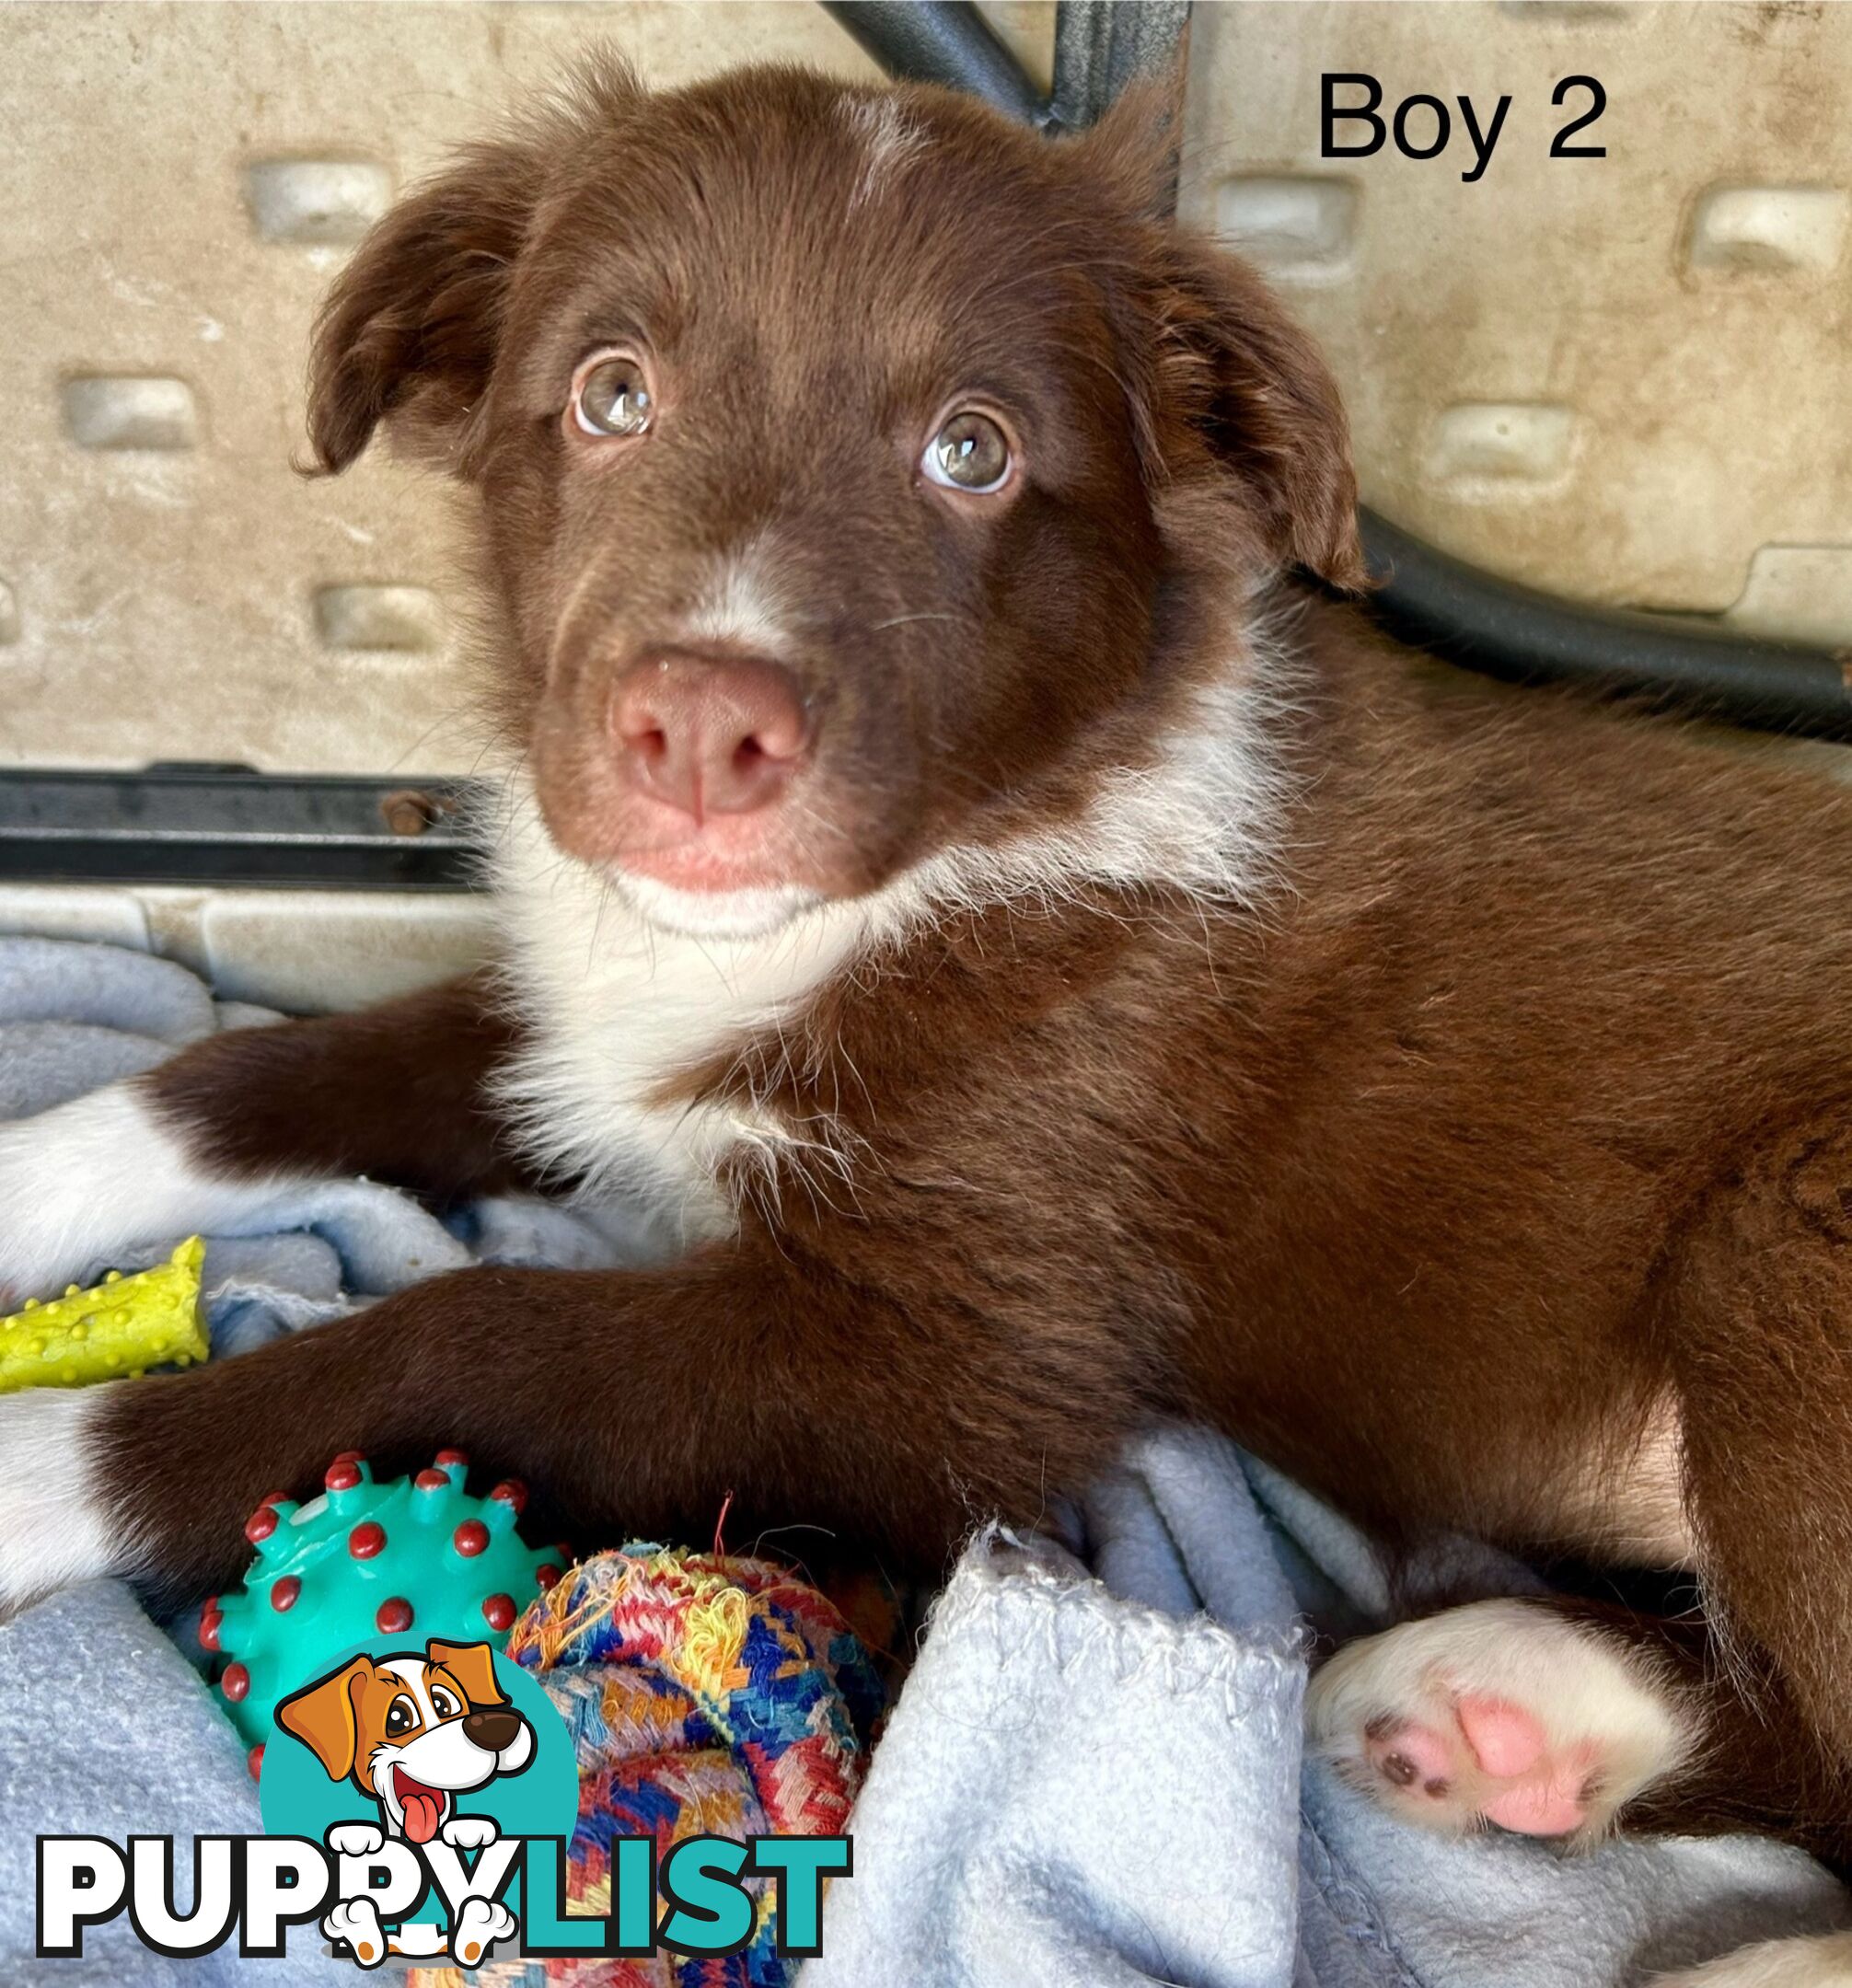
{"points": [[709, 736]]}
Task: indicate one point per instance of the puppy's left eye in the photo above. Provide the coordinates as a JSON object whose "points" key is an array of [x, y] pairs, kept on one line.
{"points": [[443, 1704], [612, 397], [969, 453]]}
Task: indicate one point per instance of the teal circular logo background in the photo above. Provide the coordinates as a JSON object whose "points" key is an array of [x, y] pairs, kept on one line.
{"points": [[295, 1796]]}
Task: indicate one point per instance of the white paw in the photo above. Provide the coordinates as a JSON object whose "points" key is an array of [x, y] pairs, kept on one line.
{"points": [[78, 1182], [355, 1839], [54, 1529], [469, 1832], [1824, 1962], [87, 1181], [1501, 1713], [356, 1921], [478, 1926]]}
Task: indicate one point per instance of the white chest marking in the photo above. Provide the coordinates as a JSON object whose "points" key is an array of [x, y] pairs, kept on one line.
{"points": [[616, 1008]]}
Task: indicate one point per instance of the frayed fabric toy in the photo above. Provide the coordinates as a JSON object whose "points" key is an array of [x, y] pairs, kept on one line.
{"points": [[705, 1693]]}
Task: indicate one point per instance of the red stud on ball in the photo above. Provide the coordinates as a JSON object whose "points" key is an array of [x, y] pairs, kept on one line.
{"points": [[498, 1611], [366, 1540], [394, 1616], [274, 1498], [549, 1579], [470, 1538], [342, 1474], [236, 1683], [260, 1525], [452, 1456], [285, 1593], [432, 1480], [212, 1618], [254, 1760], [511, 1491]]}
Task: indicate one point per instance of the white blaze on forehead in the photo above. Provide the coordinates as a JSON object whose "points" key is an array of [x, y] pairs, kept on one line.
{"points": [[738, 605], [889, 139]]}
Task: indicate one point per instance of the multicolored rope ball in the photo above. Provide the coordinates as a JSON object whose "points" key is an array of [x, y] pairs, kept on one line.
{"points": [[705, 1695]]}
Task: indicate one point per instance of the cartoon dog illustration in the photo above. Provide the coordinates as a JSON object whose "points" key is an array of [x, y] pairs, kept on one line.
{"points": [[412, 1733]]}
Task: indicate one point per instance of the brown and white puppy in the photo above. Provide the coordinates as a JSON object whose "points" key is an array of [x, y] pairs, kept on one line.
{"points": [[1042, 963]]}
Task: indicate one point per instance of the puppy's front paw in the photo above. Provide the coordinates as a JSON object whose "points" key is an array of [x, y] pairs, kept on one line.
{"points": [[355, 1839], [80, 1182], [479, 1924], [84, 1183], [55, 1528], [469, 1832], [1501, 1713], [356, 1921]]}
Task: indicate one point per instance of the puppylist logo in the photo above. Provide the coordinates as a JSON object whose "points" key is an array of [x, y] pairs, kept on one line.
{"points": [[418, 1802]]}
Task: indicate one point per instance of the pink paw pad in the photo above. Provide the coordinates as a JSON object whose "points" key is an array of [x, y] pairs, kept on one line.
{"points": [[1498, 1757], [1551, 1807], [1506, 1739], [1405, 1754]]}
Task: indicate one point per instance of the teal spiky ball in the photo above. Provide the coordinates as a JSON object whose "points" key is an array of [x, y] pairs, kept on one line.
{"points": [[415, 1556]]}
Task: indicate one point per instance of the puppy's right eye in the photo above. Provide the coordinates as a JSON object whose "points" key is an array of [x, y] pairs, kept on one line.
{"points": [[400, 1717], [969, 453], [611, 397]]}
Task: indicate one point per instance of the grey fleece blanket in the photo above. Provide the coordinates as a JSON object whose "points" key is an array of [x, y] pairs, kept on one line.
{"points": [[1093, 1772]]}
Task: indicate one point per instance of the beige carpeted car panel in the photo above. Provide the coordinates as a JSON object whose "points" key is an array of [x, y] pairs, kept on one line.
{"points": [[1627, 379]]}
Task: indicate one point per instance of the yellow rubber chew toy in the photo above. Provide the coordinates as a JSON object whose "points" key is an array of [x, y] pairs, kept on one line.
{"points": [[119, 1326]]}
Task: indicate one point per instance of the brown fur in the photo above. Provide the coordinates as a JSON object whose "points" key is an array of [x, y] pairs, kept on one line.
{"points": [[1513, 1111], [393, 1092]]}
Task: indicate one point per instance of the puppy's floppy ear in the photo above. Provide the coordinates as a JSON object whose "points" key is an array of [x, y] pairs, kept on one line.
{"points": [[409, 333], [1226, 380], [473, 1667], [322, 1716], [1257, 393]]}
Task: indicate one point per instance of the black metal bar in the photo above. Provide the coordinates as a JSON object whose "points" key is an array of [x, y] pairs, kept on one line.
{"points": [[944, 42], [199, 824], [1458, 611], [1100, 45], [1524, 635]]}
